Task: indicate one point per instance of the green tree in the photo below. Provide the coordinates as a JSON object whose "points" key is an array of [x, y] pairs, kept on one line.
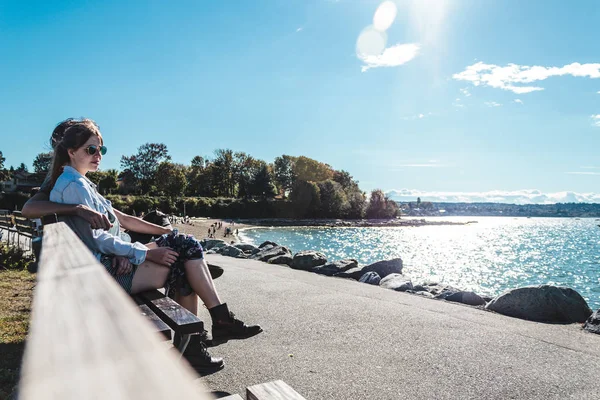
{"points": [[283, 169], [170, 179], [109, 182], [263, 182], [199, 177], [357, 201], [144, 164], [306, 198], [4, 175], [380, 206], [245, 169], [311, 170], [334, 203], [22, 168], [223, 173], [41, 163], [345, 179]]}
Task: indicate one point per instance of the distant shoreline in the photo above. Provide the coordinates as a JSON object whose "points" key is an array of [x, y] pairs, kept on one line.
{"points": [[338, 223]]}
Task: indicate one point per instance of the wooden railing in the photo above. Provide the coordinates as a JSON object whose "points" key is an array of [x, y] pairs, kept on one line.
{"points": [[87, 338]]}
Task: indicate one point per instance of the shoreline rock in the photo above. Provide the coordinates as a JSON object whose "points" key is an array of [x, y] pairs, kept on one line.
{"points": [[544, 303]]}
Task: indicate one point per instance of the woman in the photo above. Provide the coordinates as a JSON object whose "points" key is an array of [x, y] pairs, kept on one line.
{"points": [[136, 267]]}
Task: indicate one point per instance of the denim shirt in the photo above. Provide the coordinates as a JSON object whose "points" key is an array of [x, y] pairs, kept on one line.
{"points": [[73, 188]]}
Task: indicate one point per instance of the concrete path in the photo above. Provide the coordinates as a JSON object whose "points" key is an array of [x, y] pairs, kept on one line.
{"points": [[332, 338]]}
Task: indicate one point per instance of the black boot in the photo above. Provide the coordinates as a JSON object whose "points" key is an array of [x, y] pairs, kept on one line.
{"points": [[198, 357], [226, 327]]}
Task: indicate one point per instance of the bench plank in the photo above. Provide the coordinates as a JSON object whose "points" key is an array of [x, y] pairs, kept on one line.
{"points": [[178, 318], [158, 323], [87, 338], [276, 390]]}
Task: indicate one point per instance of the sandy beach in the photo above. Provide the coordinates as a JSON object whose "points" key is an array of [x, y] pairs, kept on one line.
{"points": [[199, 228]]}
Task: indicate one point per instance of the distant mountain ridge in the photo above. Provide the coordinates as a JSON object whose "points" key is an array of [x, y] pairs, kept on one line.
{"points": [[582, 210]]}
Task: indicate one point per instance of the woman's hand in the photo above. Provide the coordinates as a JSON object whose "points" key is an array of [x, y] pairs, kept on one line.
{"points": [[162, 255], [97, 220], [123, 265]]}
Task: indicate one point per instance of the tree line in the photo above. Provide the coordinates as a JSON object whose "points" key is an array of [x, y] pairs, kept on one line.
{"points": [[315, 189]]}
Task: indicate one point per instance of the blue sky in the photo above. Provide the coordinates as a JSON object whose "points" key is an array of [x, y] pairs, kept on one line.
{"points": [[445, 99]]}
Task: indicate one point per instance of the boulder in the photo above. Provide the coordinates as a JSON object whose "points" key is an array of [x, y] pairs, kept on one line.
{"points": [[470, 298], [383, 269], [267, 242], [542, 303], [372, 278], [308, 259], [593, 323], [424, 293], [332, 268], [285, 259], [397, 282], [247, 247], [232, 251], [208, 244], [439, 290], [268, 252]]}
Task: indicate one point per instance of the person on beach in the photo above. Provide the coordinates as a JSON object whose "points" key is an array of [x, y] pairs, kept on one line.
{"points": [[136, 267]]}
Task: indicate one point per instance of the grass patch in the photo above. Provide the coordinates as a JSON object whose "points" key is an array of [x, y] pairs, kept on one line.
{"points": [[16, 289]]}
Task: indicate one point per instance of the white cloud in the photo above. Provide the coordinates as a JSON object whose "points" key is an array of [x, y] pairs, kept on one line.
{"points": [[530, 196], [518, 101], [465, 92], [391, 57], [299, 29], [598, 92], [583, 173], [596, 120], [492, 104], [480, 74]]}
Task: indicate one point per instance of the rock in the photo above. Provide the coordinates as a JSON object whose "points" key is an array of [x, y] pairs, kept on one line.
{"points": [[285, 259], [372, 278], [470, 298], [332, 268], [232, 251], [383, 269], [593, 323], [268, 252], [440, 291], [424, 293], [542, 303], [265, 243], [308, 259], [397, 282], [419, 288], [208, 244], [247, 247]]}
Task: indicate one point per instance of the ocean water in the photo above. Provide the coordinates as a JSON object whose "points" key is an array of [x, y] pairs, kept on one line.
{"points": [[487, 257]]}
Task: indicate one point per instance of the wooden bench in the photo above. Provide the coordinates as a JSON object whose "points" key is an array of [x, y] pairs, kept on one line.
{"points": [[16, 227], [164, 313], [87, 339]]}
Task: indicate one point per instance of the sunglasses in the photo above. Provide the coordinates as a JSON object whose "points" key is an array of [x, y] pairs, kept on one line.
{"points": [[91, 150]]}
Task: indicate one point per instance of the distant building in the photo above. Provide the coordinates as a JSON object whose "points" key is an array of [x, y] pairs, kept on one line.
{"points": [[22, 181]]}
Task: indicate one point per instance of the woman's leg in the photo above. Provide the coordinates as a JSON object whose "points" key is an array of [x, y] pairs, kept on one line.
{"points": [[201, 282], [224, 324], [189, 302], [148, 276]]}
